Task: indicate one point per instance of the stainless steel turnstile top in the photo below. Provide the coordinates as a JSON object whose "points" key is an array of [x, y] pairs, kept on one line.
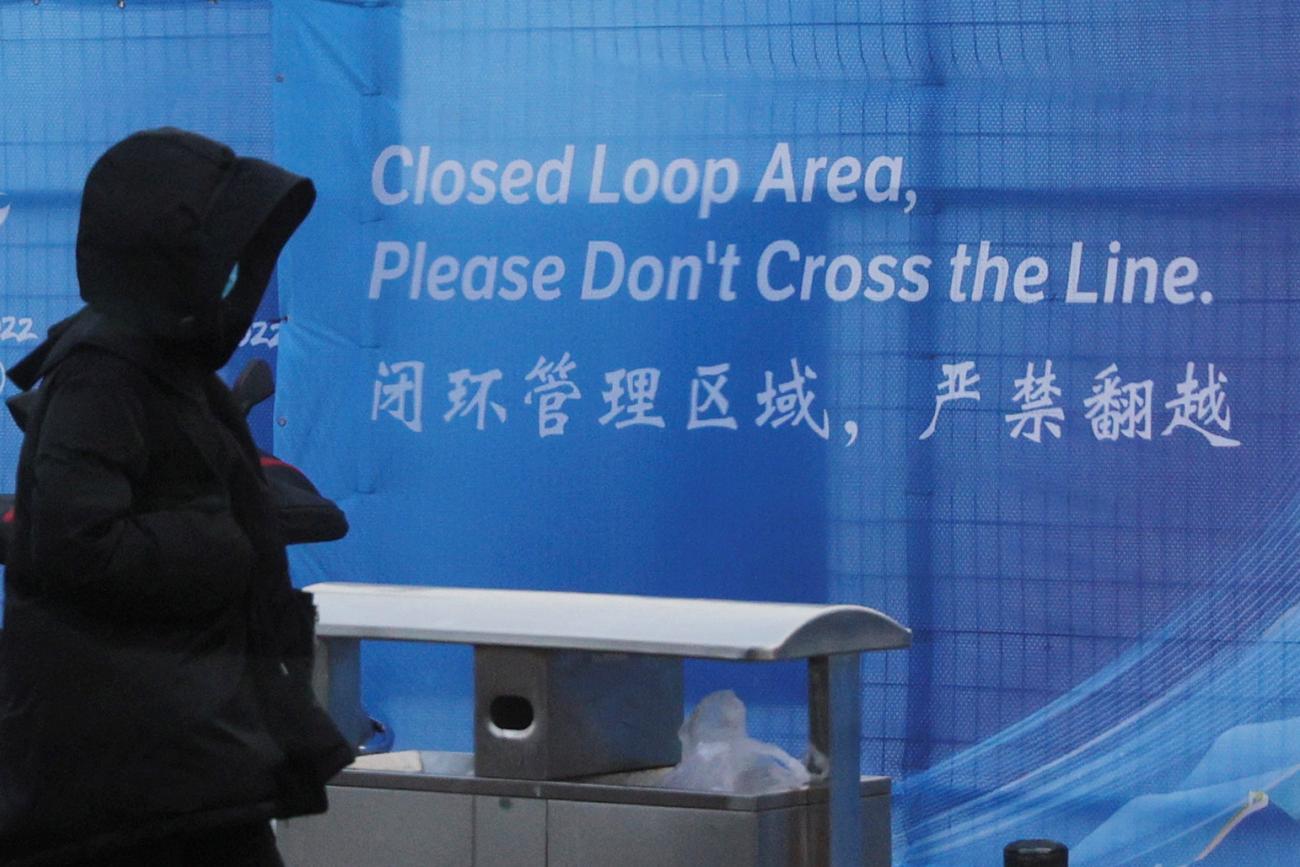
{"points": [[699, 628], [606, 628]]}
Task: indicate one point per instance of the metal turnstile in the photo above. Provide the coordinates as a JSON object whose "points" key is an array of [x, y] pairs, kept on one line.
{"points": [[578, 698]]}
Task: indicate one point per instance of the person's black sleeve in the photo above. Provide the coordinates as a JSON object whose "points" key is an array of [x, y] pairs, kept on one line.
{"points": [[89, 543]]}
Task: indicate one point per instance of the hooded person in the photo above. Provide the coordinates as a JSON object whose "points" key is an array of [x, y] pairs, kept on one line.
{"points": [[155, 704]]}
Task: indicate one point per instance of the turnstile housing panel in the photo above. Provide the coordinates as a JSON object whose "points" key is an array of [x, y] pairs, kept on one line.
{"points": [[380, 827], [589, 713], [383, 828]]}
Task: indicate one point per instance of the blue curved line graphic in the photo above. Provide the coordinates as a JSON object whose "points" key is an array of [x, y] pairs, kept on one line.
{"points": [[1137, 728]]}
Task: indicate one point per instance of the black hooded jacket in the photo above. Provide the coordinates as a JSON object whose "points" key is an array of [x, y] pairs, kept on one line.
{"points": [[154, 656]]}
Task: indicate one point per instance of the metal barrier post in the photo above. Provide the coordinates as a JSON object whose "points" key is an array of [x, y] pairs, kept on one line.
{"points": [[835, 729], [336, 680]]}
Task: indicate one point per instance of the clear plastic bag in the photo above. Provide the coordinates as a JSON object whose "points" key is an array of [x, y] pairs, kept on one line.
{"points": [[718, 755]]}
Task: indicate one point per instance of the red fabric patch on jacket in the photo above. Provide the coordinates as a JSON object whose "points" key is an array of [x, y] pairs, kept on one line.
{"points": [[269, 461]]}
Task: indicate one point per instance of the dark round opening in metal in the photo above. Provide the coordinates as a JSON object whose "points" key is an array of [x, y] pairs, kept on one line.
{"points": [[511, 712]]}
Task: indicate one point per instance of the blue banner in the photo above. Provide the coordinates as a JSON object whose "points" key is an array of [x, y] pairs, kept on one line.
{"points": [[75, 77], [978, 312]]}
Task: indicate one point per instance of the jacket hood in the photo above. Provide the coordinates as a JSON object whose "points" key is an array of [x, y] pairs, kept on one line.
{"points": [[166, 216]]}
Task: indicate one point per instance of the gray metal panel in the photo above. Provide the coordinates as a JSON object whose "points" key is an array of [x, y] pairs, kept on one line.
{"points": [[591, 713], [703, 628], [877, 834], [381, 828], [783, 838], [618, 835], [877, 831], [509, 832], [378, 827]]}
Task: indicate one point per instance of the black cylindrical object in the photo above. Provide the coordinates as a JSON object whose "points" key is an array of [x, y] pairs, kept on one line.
{"points": [[1035, 853]]}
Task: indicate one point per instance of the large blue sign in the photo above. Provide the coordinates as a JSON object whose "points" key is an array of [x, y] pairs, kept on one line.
{"points": [[75, 78], [978, 312]]}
